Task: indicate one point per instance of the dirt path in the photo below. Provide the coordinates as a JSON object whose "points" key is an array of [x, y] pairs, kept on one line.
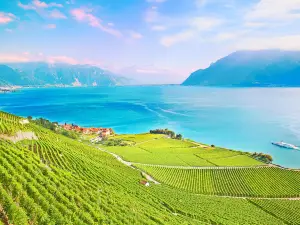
{"points": [[144, 174], [19, 136]]}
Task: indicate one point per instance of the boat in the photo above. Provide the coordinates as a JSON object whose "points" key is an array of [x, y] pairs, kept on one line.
{"points": [[286, 145]]}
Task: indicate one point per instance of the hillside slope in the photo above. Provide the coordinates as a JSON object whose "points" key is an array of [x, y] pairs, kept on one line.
{"points": [[57, 180], [251, 68], [39, 73]]}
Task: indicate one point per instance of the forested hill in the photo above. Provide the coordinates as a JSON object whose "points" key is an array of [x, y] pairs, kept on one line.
{"points": [[40, 73], [251, 68]]}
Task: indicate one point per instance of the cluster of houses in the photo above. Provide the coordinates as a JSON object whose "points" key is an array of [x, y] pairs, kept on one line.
{"points": [[102, 132]]}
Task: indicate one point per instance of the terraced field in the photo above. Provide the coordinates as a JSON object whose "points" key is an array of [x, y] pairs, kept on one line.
{"points": [[286, 210], [159, 150], [268, 182], [57, 180], [221, 210]]}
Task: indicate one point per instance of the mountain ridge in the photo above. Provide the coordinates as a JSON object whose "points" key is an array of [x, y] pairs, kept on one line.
{"points": [[251, 69], [59, 74]]}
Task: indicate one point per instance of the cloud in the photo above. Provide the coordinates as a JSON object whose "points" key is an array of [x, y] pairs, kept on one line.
{"points": [[56, 14], [8, 58], [50, 26], [40, 57], [83, 15], [287, 42], [62, 59], [205, 23], [6, 17], [170, 40], [37, 4], [158, 28], [275, 10], [255, 24], [151, 15], [135, 35], [70, 2], [200, 3], [194, 27]]}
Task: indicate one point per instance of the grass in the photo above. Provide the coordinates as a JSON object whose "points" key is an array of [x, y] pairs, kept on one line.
{"points": [[287, 210], [159, 150], [58, 180], [237, 160], [268, 182]]}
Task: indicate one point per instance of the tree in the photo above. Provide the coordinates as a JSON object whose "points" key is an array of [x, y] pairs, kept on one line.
{"points": [[179, 136]]}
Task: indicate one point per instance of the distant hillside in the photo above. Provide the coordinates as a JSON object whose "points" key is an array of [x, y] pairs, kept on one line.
{"points": [[251, 69], [39, 73]]}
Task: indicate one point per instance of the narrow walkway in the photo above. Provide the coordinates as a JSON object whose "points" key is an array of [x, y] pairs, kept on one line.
{"points": [[147, 176]]}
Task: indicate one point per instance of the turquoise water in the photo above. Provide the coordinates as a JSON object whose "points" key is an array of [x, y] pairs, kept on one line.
{"points": [[245, 118]]}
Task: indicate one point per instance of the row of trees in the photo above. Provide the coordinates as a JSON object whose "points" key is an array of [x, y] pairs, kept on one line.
{"points": [[168, 132], [263, 157]]}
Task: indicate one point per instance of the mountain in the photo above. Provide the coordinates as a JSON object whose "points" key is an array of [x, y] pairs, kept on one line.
{"points": [[10, 76], [251, 69], [40, 73]]}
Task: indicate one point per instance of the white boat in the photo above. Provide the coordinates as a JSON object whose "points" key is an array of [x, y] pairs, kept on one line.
{"points": [[286, 145]]}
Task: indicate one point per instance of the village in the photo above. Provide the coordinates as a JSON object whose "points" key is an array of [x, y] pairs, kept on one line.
{"points": [[102, 133]]}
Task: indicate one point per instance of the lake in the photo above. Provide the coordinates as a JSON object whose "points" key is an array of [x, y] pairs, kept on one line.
{"points": [[247, 119]]}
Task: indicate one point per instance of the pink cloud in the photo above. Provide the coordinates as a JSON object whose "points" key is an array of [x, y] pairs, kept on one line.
{"points": [[135, 35], [37, 4], [32, 57], [8, 58], [56, 14], [83, 15], [62, 59], [6, 17], [50, 26]]}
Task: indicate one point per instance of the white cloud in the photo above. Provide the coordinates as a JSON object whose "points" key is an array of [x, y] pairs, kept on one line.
{"points": [[70, 2], [194, 27], [275, 10], [37, 4], [255, 24], [170, 40], [83, 15], [287, 42], [56, 14], [135, 35], [151, 15], [50, 26], [205, 23], [226, 36], [6, 17], [200, 3], [158, 28]]}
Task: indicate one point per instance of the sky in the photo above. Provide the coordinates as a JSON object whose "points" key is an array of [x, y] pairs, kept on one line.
{"points": [[155, 41]]}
